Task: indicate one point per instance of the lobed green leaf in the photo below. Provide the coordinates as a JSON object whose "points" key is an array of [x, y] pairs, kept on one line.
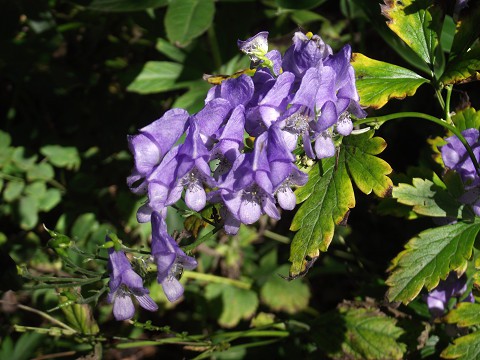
{"points": [[465, 314], [464, 348], [377, 81], [466, 119], [464, 68], [429, 257]]}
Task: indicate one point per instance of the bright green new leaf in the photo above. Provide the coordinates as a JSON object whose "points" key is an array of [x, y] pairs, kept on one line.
{"points": [[428, 198], [367, 171], [429, 257], [463, 68], [377, 81], [328, 195], [413, 22], [237, 304], [41, 171], [464, 348], [13, 190], [357, 333], [465, 314], [158, 76], [125, 5], [282, 295], [63, 157], [187, 19], [466, 119]]}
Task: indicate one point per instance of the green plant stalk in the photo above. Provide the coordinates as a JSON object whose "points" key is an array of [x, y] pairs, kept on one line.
{"points": [[448, 118], [212, 37], [380, 120], [42, 314], [202, 239], [216, 279], [277, 237]]}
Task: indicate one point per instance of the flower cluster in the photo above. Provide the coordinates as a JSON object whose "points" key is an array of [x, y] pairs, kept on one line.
{"points": [[452, 287], [305, 96], [456, 157]]}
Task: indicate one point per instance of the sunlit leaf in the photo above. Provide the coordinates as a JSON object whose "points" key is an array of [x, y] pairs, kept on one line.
{"points": [[463, 68], [378, 82], [357, 333], [464, 348], [465, 314], [328, 195], [466, 119], [158, 76], [429, 257], [187, 19], [413, 22]]}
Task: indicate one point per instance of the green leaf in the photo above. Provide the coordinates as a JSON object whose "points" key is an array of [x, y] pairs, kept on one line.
{"points": [[158, 76], [328, 195], [5, 140], [49, 200], [13, 190], [412, 21], [367, 171], [295, 4], [428, 198], [464, 315], [468, 30], [125, 5], [41, 171], [62, 157], [429, 257], [466, 119], [194, 99], [28, 211], [237, 303], [19, 159], [464, 348], [448, 32], [84, 225], [356, 333], [79, 316], [170, 51], [463, 68], [282, 295], [377, 81], [330, 198], [187, 19]]}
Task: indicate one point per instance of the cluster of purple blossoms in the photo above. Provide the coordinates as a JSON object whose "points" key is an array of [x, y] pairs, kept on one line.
{"points": [[452, 287], [305, 96], [456, 158]]}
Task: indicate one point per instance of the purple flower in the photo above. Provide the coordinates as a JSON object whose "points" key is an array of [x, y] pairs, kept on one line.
{"points": [[256, 47], [151, 144], [456, 157], [453, 287], [169, 258], [124, 282]]}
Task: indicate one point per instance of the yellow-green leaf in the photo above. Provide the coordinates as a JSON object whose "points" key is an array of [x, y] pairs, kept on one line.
{"points": [[377, 81]]}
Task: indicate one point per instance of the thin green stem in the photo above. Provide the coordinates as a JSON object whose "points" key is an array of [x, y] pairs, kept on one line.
{"points": [[447, 103], [216, 279], [380, 120], [440, 98], [42, 314], [277, 237], [202, 239]]}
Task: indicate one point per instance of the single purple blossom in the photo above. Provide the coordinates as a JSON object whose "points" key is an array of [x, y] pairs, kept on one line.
{"points": [[169, 258], [452, 287], [124, 282], [256, 47]]}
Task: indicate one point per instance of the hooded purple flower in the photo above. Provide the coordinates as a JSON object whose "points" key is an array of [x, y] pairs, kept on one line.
{"points": [[170, 259], [453, 287], [151, 144], [456, 158], [124, 282]]}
